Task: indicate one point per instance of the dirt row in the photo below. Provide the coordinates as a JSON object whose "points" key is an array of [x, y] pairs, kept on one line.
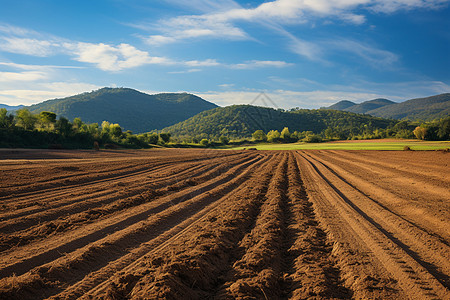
{"points": [[224, 225], [382, 247]]}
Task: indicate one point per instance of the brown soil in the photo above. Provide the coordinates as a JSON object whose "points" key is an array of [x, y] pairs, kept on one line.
{"points": [[195, 224]]}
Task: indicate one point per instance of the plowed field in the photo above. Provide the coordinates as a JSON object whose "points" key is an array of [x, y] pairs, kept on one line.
{"points": [[204, 224]]}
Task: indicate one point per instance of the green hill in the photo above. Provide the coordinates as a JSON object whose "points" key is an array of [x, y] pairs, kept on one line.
{"points": [[133, 110], [366, 106], [425, 109], [420, 109], [341, 105], [242, 120]]}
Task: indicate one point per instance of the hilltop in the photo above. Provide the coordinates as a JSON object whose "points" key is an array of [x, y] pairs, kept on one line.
{"points": [[133, 110], [420, 109], [243, 120]]}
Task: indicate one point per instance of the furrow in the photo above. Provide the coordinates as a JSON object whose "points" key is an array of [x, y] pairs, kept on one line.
{"points": [[195, 258], [431, 252], [19, 264], [97, 204], [103, 282], [412, 277]]}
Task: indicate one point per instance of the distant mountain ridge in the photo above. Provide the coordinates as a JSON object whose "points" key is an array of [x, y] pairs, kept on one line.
{"points": [[9, 108], [131, 109], [425, 109], [341, 105]]}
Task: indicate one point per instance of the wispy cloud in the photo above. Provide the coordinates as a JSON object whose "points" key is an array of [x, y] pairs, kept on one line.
{"points": [[22, 76], [252, 64], [109, 57], [29, 94], [222, 23], [375, 57], [28, 46], [397, 91]]}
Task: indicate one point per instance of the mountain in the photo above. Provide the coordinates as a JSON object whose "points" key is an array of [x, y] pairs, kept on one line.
{"points": [[133, 110], [366, 106], [342, 105], [425, 109], [243, 120], [9, 108]]}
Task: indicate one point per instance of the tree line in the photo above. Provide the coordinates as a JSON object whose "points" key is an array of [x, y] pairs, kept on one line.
{"points": [[45, 130]]}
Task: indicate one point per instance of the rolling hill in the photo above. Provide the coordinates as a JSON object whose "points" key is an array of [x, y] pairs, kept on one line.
{"points": [[426, 109], [133, 110], [243, 120], [367, 106], [342, 105], [420, 109], [9, 108]]}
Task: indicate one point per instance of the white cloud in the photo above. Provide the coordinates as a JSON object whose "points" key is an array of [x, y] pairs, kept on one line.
{"points": [[36, 67], [202, 63], [218, 22], [391, 6], [399, 91], [17, 31], [21, 76], [159, 40], [109, 58], [375, 57], [185, 71], [206, 5], [252, 64], [28, 46], [29, 94]]}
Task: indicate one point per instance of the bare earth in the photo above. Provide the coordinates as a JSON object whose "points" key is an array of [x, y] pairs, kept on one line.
{"points": [[205, 224]]}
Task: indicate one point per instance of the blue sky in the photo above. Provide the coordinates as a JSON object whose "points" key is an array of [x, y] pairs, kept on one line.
{"points": [[301, 53]]}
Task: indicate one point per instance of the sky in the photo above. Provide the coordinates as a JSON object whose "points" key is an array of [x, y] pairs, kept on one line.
{"points": [[299, 53]]}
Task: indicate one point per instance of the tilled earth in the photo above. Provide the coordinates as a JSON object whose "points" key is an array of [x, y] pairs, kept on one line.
{"points": [[205, 224]]}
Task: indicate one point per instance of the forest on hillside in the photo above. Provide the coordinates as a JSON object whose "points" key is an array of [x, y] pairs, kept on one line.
{"points": [[229, 125]]}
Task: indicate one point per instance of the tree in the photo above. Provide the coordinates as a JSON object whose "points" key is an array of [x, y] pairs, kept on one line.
{"points": [[224, 140], [115, 130], [259, 136], [63, 126], [273, 136], [204, 142], [420, 132], [285, 134], [164, 137], [47, 117], [26, 119], [6, 121], [77, 124]]}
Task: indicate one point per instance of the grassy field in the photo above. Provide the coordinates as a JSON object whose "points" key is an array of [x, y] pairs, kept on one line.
{"points": [[386, 144]]}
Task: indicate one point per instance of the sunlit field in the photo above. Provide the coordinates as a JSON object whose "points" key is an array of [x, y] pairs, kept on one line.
{"points": [[387, 144]]}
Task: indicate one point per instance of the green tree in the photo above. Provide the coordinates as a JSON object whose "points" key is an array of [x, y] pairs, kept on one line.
{"points": [[47, 117], [285, 135], [259, 136], [77, 125], [420, 132], [224, 140], [63, 127], [6, 121], [164, 137], [26, 119], [115, 130], [204, 142], [273, 136]]}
